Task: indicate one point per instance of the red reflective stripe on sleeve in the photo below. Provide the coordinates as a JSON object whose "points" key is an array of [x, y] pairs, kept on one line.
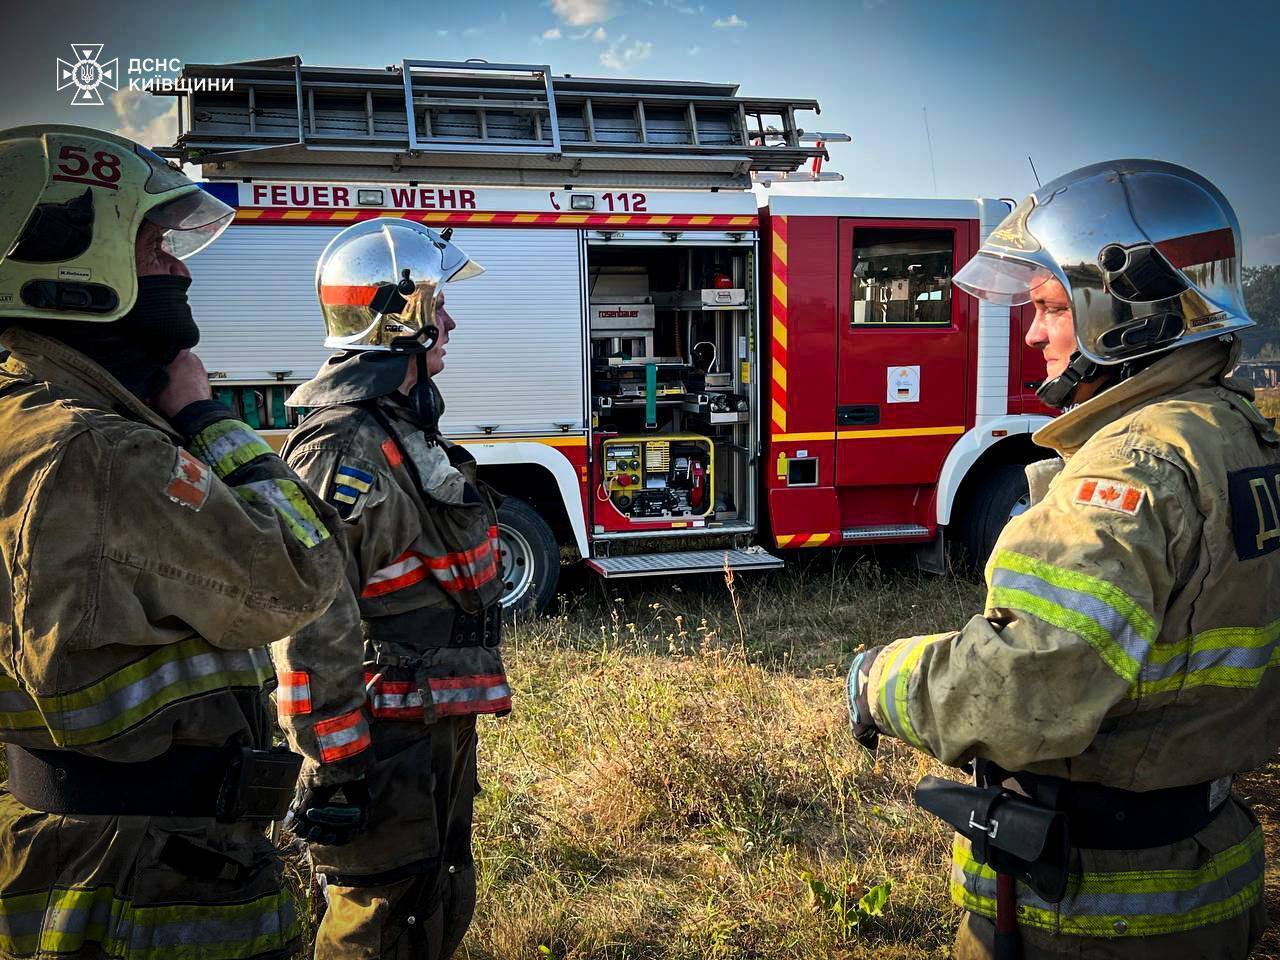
{"points": [[465, 581], [461, 557], [293, 696], [1199, 247], [391, 451], [407, 570], [342, 736]]}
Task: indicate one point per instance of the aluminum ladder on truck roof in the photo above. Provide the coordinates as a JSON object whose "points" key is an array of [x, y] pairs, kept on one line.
{"points": [[484, 123]]}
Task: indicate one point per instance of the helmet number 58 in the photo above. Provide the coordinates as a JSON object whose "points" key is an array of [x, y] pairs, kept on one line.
{"points": [[74, 165]]}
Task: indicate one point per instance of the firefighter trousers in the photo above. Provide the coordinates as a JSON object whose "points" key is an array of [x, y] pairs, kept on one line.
{"points": [[139, 888], [406, 886], [1226, 940]]}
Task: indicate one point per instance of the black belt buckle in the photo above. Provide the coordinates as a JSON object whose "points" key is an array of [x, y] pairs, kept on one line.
{"points": [[259, 785]]}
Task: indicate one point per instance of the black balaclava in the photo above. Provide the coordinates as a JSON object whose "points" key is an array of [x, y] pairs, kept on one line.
{"points": [[136, 348]]}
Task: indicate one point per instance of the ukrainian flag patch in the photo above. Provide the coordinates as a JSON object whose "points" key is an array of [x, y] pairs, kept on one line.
{"points": [[350, 484]]}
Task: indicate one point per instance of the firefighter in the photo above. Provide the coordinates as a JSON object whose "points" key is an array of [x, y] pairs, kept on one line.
{"points": [[424, 565], [153, 546], [1120, 675]]}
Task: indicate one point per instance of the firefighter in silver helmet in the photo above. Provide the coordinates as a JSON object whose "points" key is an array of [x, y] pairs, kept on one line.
{"points": [[1121, 674], [421, 627], [154, 545]]}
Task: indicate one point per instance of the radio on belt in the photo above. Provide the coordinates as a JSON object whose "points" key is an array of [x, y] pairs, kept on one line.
{"points": [[659, 477]]}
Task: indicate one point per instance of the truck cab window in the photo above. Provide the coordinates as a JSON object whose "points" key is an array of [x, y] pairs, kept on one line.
{"points": [[902, 277]]}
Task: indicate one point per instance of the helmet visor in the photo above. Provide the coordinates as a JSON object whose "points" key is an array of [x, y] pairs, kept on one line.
{"points": [[191, 222], [997, 280], [466, 271]]}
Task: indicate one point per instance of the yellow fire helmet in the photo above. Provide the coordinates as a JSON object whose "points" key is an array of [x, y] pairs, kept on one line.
{"points": [[72, 200]]}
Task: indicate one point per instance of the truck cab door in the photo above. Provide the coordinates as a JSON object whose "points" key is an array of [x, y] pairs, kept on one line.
{"points": [[1026, 366], [903, 365]]}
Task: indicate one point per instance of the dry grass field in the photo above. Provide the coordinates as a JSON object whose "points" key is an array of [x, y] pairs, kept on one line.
{"points": [[678, 780]]}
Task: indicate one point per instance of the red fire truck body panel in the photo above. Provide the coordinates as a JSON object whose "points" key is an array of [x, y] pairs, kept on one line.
{"points": [[846, 459], [864, 390], [657, 371]]}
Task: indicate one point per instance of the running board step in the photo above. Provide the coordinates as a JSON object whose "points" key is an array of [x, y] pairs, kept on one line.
{"points": [[884, 532], [691, 561]]}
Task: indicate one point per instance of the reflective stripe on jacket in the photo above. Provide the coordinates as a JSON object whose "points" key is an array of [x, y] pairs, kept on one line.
{"points": [[142, 580], [1106, 903], [1130, 628], [423, 550], [84, 916]]}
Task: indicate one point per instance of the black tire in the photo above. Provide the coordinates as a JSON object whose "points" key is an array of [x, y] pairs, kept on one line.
{"points": [[997, 494], [530, 561]]}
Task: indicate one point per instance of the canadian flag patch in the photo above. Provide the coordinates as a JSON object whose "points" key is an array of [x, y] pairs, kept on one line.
{"points": [[190, 481], [1121, 497]]}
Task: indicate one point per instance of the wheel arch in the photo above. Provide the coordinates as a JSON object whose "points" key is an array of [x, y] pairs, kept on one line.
{"points": [[541, 476], [981, 448]]}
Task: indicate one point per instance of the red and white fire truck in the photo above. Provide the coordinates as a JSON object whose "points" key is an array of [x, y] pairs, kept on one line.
{"points": [[661, 375]]}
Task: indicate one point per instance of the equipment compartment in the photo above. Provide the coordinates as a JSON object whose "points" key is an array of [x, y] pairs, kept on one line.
{"points": [[672, 342]]}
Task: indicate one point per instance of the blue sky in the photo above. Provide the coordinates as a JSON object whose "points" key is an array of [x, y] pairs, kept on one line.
{"points": [[1067, 83]]}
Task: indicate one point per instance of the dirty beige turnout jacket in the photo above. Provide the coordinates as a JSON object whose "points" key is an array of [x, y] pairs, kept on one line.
{"points": [[1129, 637], [142, 580]]}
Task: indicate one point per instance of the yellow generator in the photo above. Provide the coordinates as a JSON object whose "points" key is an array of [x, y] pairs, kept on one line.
{"points": [[659, 477]]}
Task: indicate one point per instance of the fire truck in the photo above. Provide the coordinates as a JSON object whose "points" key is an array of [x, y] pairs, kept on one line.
{"points": [[659, 374]]}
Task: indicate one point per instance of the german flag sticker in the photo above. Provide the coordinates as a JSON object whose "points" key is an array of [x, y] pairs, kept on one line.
{"points": [[1110, 494], [190, 481]]}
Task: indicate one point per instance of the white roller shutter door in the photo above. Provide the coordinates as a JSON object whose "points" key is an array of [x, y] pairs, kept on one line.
{"points": [[515, 360]]}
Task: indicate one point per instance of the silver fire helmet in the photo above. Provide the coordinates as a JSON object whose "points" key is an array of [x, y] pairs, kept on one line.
{"points": [[1148, 252], [377, 282]]}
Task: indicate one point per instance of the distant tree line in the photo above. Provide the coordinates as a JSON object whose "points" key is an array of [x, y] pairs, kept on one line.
{"points": [[1262, 298]]}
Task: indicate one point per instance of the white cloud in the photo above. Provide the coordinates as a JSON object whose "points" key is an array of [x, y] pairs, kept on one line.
{"points": [[679, 7], [621, 57], [144, 118], [731, 23], [442, 33], [551, 34], [582, 13], [1267, 249], [599, 36]]}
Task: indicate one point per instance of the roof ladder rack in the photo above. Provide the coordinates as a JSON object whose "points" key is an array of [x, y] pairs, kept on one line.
{"points": [[483, 123]]}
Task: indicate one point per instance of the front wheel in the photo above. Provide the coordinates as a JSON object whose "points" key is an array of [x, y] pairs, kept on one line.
{"points": [[1000, 496], [530, 560]]}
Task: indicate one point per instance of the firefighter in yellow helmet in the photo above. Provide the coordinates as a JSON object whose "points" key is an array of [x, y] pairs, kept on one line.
{"points": [[424, 565], [153, 546], [1122, 672]]}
